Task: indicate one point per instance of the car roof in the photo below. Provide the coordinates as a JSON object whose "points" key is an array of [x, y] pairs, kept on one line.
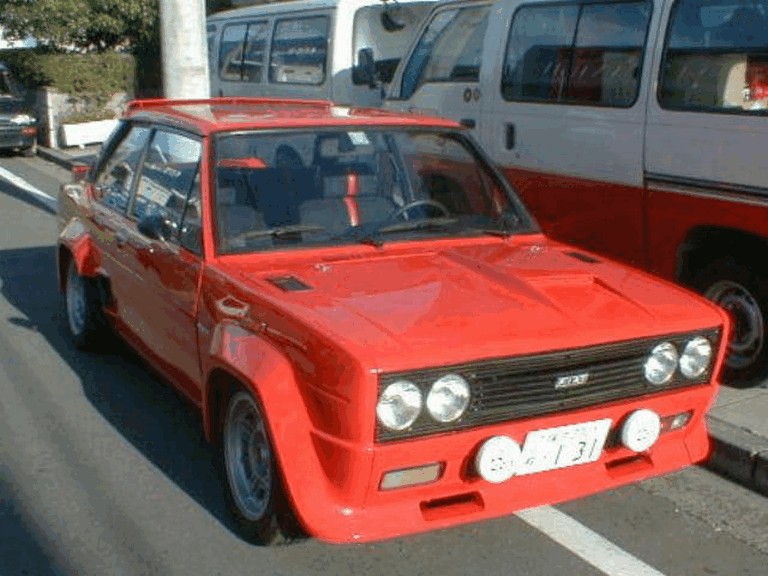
{"points": [[210, 115]]}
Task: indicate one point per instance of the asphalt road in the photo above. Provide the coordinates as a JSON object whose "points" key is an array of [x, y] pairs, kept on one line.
{"points": [[103, 470]]}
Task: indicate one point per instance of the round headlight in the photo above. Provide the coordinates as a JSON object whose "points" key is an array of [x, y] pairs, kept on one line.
{"points": [[399, 405], [696, 357], [448, 398], [661, 364]]}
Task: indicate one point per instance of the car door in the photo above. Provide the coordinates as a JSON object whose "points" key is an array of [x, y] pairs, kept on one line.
{"points": [[113, 185], [163, 249], [442, 74]]}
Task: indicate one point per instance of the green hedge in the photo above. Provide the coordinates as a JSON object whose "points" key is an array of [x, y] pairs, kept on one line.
{"points": [[75, 74], [90, 79]]}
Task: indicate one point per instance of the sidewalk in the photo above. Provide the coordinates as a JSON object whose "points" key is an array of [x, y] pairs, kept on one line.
{"points": [[738, 423]]}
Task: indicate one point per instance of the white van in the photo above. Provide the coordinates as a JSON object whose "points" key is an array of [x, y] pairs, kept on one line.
{"points": [[635, 128], [340, 50]]}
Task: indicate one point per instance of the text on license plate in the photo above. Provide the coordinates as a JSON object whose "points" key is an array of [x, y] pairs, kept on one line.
{"points": [[563, 446]]}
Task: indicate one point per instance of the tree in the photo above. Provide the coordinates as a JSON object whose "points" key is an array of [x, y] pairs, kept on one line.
{"points": [[88, 25]]}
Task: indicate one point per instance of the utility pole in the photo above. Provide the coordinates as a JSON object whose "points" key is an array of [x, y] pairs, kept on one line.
{"points": [[184, 49]]}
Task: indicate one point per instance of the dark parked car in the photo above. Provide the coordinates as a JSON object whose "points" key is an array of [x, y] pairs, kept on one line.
{"points": [[18, 125]]}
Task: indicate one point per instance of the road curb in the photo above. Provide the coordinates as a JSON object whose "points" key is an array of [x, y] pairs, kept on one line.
{"points": [[739, 454]]}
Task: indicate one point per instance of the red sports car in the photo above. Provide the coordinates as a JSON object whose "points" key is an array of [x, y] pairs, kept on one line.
{"points": [[377, 335]]}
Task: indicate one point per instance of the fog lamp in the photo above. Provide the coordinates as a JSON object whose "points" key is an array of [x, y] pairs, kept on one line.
{"points": [[411, 476], [641, 430], [497, 459]]}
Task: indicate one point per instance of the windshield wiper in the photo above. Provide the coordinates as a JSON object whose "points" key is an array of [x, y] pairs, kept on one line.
{"points": [[420, 224], [508, 223], [280, 231]]}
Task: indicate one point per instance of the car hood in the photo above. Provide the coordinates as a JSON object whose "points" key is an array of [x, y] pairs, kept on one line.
{"points": [[483, 300]]}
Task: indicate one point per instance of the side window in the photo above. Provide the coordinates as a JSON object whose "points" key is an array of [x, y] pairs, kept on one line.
{"points": [[210, 32], [450, 50], [114, 181], [231, 52], [588, 54], [255, 51], [167, 177], [716, 57], [299, 51], [191, 229]]}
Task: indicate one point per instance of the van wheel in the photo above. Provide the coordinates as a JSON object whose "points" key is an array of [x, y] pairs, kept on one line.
{"points": [[742, 290], [254, 487], [82, 306]]}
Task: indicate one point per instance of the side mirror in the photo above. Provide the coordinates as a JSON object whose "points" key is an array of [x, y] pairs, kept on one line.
{"points": [[365, 70], [155, 226], [390, 19]]}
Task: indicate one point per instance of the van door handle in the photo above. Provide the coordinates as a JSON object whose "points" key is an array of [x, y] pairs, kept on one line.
{"points": [[120, 239], [468, 122], [509, 137]]}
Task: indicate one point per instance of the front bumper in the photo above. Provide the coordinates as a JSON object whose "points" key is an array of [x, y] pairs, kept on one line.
{"points": [[362, 512]]}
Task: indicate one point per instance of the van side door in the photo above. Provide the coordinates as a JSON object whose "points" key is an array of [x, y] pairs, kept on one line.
{"points": [[566, 113], [442, 74]]}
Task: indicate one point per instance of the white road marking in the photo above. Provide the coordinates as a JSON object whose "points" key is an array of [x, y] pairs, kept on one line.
{"points": [[586, 544], [49, 200]]}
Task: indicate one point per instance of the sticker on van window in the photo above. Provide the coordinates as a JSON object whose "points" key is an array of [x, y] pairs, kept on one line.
{"points": [[358, 138]]}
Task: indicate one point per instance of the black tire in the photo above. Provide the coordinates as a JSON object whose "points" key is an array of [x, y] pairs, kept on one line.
{"points": [[82, 310], [259, 507], [742, 290]]}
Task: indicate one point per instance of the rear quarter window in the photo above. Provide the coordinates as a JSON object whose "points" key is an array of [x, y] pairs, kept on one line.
{"points": [[716, 57]]}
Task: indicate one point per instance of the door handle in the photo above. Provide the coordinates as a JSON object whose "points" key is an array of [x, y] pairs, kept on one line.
{"points": [[468, 122], [120, 239], [232, 307]]}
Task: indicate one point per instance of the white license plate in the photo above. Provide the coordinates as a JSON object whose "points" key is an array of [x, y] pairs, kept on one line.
{"points": [[563, 446]]}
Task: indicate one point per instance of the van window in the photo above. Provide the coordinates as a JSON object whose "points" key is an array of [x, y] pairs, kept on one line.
{"points": [[389, 39], [241, 54], [231, 52], [449, 50], [587, 54], [716, 57], [254, 51], [299, 51]]}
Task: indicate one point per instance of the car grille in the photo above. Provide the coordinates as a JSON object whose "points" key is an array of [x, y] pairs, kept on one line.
{"points": [[507, 389]]}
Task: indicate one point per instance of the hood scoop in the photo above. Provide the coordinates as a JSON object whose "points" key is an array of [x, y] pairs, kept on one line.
{"points": [[583, 257], [289, 283]]}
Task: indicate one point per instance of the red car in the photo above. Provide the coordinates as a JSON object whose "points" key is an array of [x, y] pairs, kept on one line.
{"points": [[378, 337]]}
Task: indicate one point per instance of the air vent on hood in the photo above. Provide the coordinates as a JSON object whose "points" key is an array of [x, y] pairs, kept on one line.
{"points": [[583, 257], [289, 283]]}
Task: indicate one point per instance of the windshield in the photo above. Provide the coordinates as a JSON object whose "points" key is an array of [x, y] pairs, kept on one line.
{"points": [[293, 189], [7, 89], [388, 31]]}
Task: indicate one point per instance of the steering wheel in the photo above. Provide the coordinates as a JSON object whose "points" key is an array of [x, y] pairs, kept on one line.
{"points": [[404, 210]]}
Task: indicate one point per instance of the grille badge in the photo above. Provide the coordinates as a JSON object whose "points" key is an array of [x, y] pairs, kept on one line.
{"points": [[571, 380]]}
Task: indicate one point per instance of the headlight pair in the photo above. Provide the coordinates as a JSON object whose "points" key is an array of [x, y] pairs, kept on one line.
{"points": [[401, 402], [664, 360]]}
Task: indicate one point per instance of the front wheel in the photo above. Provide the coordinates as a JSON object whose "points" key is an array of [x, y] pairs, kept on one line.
{"points": [[742, 290], [254, 489]]}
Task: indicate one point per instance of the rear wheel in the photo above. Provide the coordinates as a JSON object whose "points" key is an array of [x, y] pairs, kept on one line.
{"points": [[742, 290], [82, 309], [254, 488]]}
